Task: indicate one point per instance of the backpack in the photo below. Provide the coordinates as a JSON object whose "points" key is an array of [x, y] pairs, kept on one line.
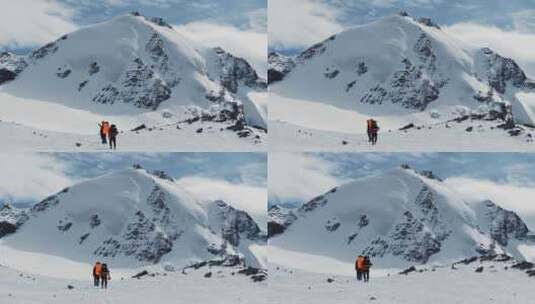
{"points": [[113, 131]]}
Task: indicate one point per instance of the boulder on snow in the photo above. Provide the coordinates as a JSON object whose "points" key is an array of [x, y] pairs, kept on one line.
{"points": [[408, 270], [524, 265], [138, 128], [406, 127], [140, 274]]}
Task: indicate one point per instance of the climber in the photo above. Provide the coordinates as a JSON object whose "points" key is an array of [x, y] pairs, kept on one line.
{"points": [[104, 128], [359, 262], [369, 129], [374, 129], [366, 264], [104, 276], [97, 269], [112, 137]]}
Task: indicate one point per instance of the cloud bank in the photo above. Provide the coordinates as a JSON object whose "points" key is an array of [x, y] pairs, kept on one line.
{"points": [[30, 23]]}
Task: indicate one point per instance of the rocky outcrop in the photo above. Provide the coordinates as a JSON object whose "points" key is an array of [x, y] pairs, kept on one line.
{"points": [[234, 71], [279, 66], [11, 66], [503, 72], [504, 225], [237, 224], [11, 219]]}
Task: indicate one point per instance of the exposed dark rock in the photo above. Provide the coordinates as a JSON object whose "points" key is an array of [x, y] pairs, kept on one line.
{"points": [[479, 269], [350, 85], [65, 227], [94, 68], [279, 67], [428, 22], [64, 74], [408, 270], [235, 71], [406, 127], [275, 228], [82, 85], [208, 275], [83, 238], [6, 75], [524, 265], [7, 228], [331, 74], [139, 128], [94, 221], [141, 274]]}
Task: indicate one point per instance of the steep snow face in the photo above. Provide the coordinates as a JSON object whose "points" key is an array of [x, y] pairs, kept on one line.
{"points": [[133, 218], [137, 69], [398, 70], [400, 218]]}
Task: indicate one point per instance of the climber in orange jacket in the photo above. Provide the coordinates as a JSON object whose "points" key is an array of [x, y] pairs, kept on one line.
{"points": [[96, 274], [359, 265]]}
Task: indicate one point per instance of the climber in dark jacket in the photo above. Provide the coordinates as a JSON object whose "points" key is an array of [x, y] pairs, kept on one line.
{"points": [[366, 269], [104, 276], [112, 137]]}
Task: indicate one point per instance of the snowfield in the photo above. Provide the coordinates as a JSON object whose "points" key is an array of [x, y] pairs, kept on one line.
{"points": [[195, 137], [167, 287], [443, 285], [466, 136]]}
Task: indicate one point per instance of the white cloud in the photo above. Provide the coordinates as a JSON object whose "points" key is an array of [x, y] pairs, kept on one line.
{"points": [[28, 23], [299, 177], [514, 44], [244, 197], [30, 177], [301, 23], [249, 44], [512, 197]]}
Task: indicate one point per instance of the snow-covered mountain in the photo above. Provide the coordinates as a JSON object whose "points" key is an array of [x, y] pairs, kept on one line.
{"points": [[400, 71], [399, 217], [133, 218], [130, 70]]}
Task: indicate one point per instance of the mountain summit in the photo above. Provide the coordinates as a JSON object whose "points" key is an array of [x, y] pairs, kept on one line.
{"points": [[399, 217], [132, 218], [133, 66], [402, 71]]}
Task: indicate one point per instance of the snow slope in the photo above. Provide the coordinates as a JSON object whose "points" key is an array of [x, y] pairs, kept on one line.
{"points": [[399, 71], [432, 285], [130, 219], [223, 286], [130, 70], [399, 218]]}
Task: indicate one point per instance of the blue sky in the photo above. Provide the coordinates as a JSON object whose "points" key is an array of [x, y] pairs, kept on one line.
{"points": [[297, 177], [507, 26], [28, 178]]}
